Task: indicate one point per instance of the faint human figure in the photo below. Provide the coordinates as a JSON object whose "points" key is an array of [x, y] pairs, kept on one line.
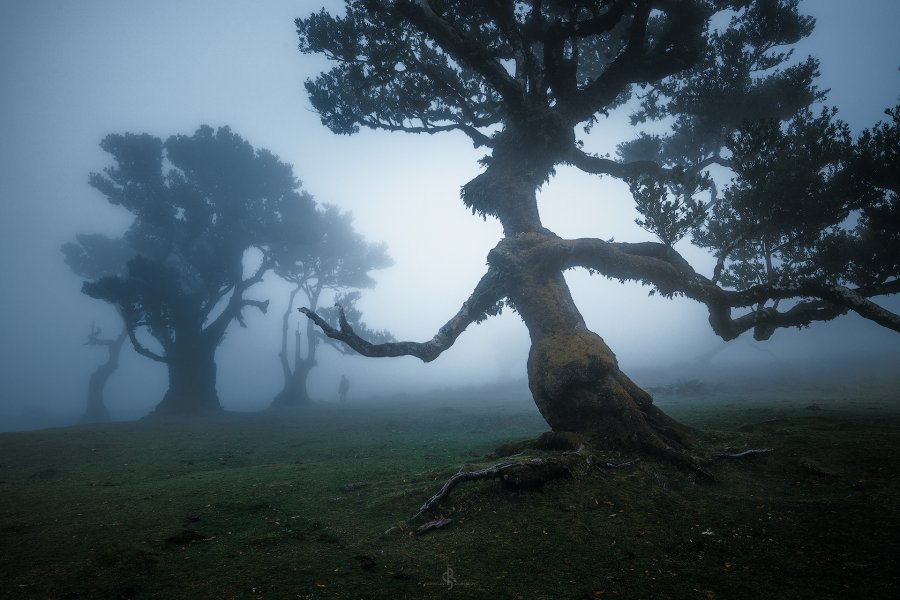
{"points": [[343, 388]]}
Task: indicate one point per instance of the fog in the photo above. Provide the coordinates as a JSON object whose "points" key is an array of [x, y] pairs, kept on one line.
{"points": [[73, 72]]}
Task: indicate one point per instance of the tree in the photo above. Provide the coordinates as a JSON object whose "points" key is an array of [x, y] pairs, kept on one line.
{"points": [[93, 256], [207, 209], [522, 79], [336, 258]]}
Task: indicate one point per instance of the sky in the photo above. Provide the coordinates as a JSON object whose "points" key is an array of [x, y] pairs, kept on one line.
{"points": [[74, 71]]}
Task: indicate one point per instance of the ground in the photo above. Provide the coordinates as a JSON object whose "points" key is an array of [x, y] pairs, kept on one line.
{"points": [[320, 506]]}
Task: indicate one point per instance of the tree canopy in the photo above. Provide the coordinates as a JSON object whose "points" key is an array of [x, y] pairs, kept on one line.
{"points": [[802, 233], [721, 74]]}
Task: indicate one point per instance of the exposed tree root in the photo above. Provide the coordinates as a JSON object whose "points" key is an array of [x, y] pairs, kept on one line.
{"points": [[744, 454], [516, 475], [533, 473], [432, 525]]}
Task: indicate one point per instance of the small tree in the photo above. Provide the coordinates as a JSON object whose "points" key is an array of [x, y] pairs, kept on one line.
{"points": [[207, 210], [335, 259], [92, 257], [801, 235]]}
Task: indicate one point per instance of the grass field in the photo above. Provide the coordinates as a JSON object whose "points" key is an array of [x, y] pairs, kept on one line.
{"points": [[318, 504]]}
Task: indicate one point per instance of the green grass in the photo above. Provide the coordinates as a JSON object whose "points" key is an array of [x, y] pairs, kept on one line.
{"points": [[258, 506]]}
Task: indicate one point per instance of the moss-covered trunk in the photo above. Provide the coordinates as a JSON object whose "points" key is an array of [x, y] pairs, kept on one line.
{"points": [[573, 375]]}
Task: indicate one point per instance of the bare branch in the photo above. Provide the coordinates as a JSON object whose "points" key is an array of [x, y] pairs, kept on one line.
{"points": [[141, 348], [482, 303], [262, 305], [236, 303]]}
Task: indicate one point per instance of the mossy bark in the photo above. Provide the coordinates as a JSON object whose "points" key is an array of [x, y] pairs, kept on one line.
{"points": [[573, 375]]}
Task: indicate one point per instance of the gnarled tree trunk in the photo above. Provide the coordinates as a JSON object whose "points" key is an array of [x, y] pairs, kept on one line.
{"points": [[96, 411], [294, 392], [192, 380], [573, 375]]}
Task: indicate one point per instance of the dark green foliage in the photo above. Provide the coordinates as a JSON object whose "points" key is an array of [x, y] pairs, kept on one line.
{"points": [[807, 207]]}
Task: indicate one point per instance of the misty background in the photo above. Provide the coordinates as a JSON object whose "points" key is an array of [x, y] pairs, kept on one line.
{"points": [[73, 72]]}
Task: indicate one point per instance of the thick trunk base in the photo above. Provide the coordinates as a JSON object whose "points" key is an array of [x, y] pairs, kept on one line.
{"points": [[96, 411], [192, 387], [573, 375], [96, 414], [578, 387], [294, 393], [288, 398]]}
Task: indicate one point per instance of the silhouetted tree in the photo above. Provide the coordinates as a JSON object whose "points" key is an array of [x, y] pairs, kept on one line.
{"points": [[96, 411], [207, 210], [802, 234], [93, 256], [335, 258]]}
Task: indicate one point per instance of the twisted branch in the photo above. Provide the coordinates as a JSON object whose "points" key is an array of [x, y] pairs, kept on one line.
{"points": [[483, 302], [664, 268]]}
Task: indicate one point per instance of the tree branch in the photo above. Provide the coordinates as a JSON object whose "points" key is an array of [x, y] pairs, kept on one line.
{"points": [[482, 303], [262, 305], [470, 53], [585, 27], [503, 13], [141, 348], [478, 138], [236, 303], [595, 165], [662, 267], [677, 49]]}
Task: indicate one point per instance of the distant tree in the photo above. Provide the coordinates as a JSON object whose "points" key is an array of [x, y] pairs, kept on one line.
{"points": [[96, 411], [93, 256], [806, 231], [335, 258], [207, 209]]}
